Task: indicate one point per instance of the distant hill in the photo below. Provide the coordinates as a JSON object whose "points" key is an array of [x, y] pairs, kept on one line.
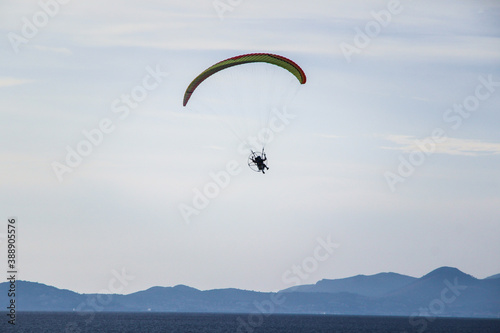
{"points": [[496, 276], [445, 291], [452, 292], [432, 283], [371, 285], [33, 296]]}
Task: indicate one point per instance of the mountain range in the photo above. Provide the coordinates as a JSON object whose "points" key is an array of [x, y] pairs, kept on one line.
{"points": [[445, 291]]}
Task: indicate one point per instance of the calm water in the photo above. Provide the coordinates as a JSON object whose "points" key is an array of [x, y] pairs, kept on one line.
{"points": [[194, 323]]}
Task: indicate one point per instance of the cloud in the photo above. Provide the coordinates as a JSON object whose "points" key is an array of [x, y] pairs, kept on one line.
{"points": [[328, 136], [214, 147], [417, 32], [12, 81], [60, 50], [450, 146]]}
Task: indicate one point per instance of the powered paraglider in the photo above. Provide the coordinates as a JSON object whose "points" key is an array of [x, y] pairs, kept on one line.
{"points": [[247, 96]]}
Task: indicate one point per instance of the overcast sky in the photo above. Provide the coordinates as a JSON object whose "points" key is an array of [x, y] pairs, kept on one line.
{"points": [[386, 160]]}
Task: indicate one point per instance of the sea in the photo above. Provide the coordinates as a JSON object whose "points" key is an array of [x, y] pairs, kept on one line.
{"points": [[41, 322]]}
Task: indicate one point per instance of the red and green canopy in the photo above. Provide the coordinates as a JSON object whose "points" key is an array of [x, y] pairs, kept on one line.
{"points": [[273, 59]]}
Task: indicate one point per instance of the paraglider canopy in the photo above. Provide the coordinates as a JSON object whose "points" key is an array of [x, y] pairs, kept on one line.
{"points": [[274, 59]]}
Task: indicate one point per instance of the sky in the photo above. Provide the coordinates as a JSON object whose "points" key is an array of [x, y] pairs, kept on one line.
{"points": [[386, 160]]}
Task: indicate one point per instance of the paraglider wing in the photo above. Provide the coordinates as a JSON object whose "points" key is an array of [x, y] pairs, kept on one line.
{"points": [[244, 59]]}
